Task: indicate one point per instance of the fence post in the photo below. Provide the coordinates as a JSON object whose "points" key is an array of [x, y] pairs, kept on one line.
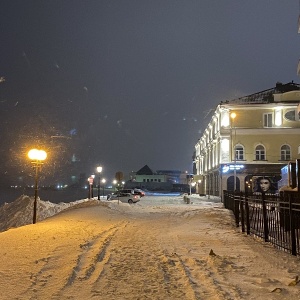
{"points": [[242, 212], [236, 210], [247, 214], [292, 227], [225, 196], [265, 218]]}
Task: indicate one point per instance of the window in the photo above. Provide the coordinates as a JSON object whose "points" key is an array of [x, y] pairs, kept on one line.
{"points": [[290, 115], [268, 120], [260, 153], [239, 152], [285, 152]]}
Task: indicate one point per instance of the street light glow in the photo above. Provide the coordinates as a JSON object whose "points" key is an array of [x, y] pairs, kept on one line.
{"points": [[99, 170], [35, 154]]}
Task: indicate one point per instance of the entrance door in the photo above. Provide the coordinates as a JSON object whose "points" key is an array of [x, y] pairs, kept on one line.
{"points": [[230, 184]]}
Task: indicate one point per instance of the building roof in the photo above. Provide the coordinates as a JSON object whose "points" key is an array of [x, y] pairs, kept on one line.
{"points": [[145, 170], [265, 96]]}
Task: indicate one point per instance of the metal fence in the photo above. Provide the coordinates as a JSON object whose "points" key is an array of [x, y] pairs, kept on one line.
{"points": [[273, 218]]}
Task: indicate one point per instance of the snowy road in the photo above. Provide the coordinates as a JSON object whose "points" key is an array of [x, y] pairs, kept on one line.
{"points": [[147, 251]]}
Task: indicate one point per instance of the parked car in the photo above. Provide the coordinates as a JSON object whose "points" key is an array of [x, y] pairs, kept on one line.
{"points": [[139, 192], [124, 197], [128, 191]]}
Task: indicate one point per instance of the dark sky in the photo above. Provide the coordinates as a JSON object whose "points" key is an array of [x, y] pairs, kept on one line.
{"points": [[128, 83]]}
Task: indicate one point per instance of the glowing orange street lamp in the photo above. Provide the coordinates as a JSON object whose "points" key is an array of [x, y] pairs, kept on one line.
{"points": [[37, 157]]}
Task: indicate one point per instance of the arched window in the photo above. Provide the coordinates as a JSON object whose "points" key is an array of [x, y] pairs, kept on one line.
{"points": [[260, 153], [285, 152], [239, 152]]}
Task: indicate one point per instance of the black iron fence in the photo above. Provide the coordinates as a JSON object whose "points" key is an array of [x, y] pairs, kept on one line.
{"points": [[273, 218]]}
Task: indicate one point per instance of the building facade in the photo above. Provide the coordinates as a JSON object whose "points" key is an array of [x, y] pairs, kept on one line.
{"points": [[166, 180], [248, 140]]}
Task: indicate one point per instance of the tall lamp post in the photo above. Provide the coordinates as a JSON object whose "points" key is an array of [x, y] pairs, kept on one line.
{"points": [[37, 157], [90, 180], [103, 184], [233, 116], [99, 170], [115, 184]]}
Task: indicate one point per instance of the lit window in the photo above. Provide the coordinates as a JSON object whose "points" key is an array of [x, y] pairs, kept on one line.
{"points": [[285, 152], [260, 153], [278, 118], [225, 145]]}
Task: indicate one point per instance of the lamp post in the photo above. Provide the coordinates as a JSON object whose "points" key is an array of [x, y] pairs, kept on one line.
{"points": [[233, 116], [103, 181], [90, 180], [99, 170], [93, 176], [115, 184], [37, 157]]}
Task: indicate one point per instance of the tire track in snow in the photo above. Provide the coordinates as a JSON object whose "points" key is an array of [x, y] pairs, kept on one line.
{"points": [[90, 262], [139, 265], [87, 265]]}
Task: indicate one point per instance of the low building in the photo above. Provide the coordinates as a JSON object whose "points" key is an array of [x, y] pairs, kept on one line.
{"points": [[166, 180], [249, 140]]}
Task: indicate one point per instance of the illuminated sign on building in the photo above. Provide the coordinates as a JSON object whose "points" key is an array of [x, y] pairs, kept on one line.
{"points": [[228, 168]]}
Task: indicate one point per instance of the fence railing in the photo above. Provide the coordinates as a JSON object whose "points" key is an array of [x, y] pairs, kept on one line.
{"points": [[273, 218]]}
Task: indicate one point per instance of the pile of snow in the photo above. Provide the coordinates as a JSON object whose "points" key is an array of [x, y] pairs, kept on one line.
{"points": [[20, 212]]}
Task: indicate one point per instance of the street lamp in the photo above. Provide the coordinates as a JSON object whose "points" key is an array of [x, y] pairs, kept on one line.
{"points": [[37, 157], [115, 184], [90, 180], [99, 170], [93, 176], [233, 116], [103, 181]]}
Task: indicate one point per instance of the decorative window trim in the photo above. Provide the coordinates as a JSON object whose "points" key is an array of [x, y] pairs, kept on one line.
{"points": [[242, 154], [287, 153], [260, 154]]}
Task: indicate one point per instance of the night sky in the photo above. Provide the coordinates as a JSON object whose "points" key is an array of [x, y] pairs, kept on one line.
{"points": [[129, 83]]}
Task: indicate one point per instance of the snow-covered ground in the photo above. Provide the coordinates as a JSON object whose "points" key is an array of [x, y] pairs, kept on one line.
{"points": [[20, 211], [159, 248]]}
